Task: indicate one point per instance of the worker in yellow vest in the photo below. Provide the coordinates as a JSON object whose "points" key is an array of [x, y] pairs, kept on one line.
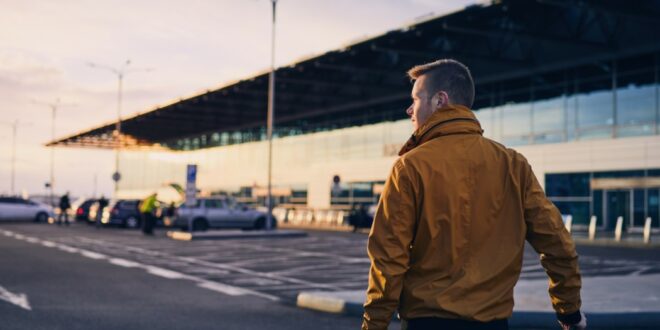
{"points": [[148, 209]]}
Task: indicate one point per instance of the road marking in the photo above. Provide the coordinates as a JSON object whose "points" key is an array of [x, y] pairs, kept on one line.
{"points": [[48, 244], [124, 263], [18, 299], [166, 273], [222, 288], [213, 265], [32, 240], [67, 248], [93, 255], [21, 299]]}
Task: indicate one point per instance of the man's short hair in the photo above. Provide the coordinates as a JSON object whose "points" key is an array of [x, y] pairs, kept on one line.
{"points": [[447, 75]]}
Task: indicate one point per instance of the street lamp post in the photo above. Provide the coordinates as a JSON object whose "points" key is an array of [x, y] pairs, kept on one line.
{"points": [[271, 118], [14, 128], [120, 72], [53, 107]]}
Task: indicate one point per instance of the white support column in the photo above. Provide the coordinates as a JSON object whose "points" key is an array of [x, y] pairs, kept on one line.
{"points": [[569, 223], [647, 231], [619, 229], [592, 228]]}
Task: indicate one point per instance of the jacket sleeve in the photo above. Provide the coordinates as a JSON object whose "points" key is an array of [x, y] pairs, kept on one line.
{"points": [[389, 247], [548, 236]]}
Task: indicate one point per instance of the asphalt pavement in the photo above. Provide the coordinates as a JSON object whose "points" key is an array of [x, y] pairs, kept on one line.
{"points": [[66, 289], [78, 276]]}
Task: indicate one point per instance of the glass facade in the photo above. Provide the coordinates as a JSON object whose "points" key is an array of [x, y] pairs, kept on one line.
{"points": [[631, 194], [237, 169], [619, 101], [353, 193]]}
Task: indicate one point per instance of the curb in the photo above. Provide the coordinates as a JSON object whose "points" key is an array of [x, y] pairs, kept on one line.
{"points": [[579, 240], [220, 235], [519, 319], [612, 243], [322, 227]]}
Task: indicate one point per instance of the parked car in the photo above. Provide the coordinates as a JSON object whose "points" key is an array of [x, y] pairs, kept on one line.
{"points": [[94, 209], [219, 212], [362, 216], [82, 212], [122, 212], [16, 208]]}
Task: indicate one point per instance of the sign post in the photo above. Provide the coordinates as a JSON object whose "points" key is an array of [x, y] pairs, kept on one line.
{"points": [[191, 190]]}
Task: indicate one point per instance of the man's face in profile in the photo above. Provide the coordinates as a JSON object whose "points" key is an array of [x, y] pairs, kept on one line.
{"points": [[422, 104]]}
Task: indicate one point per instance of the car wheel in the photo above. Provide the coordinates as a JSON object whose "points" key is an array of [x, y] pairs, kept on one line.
{"points": [[132, 222], [260, 223], [200, 225], [41, 217]]}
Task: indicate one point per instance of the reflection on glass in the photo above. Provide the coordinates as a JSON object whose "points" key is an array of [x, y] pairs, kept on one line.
{"points": [[549, 115], [485, 117], [635, 110], [653, 202], [517, 119], [595, 110], [551, 137], [595, 133], [579, 211]]}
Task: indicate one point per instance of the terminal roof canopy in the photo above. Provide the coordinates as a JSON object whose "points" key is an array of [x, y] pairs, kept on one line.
{"points": [[508, 45]]}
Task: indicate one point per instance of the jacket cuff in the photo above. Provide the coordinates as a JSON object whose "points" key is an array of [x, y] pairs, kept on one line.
{"points": [[573, 318]]}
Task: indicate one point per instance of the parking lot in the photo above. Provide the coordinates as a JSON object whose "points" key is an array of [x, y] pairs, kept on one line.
{"points": [[270, 270]]}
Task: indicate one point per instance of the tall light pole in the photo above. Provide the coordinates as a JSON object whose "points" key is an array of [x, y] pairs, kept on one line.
{"points": [[53, 107], [120, 71], [14, 128], [271, 118]]}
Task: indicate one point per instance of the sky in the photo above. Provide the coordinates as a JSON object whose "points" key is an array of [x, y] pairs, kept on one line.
{"points": [[186, 46]]}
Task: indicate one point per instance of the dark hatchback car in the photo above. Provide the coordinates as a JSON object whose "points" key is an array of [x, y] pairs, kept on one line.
{"points": [[123, 212], [82, 212]]}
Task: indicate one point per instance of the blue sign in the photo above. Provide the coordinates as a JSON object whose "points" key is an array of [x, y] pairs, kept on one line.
{"points": [[192, 173]]}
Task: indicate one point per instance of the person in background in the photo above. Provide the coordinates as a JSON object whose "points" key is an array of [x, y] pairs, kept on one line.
{"points": [[65, 205], [170, 212], [148, 207], [103, 203]]}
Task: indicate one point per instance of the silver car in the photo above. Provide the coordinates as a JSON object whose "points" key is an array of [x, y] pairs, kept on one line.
{"points": [[219, 212], [16, 208]]}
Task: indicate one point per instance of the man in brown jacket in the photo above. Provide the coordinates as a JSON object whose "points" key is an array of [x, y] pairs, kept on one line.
{"points": [[446, 245]]}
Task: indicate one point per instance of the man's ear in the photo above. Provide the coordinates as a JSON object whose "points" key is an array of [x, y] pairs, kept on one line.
{"points": [[440, 100]]}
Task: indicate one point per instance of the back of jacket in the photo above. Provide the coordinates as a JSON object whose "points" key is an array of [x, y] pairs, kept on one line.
{"points": [[449, 233]]}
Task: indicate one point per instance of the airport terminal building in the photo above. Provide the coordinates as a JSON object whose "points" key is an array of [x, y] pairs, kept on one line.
{"points": [[572, 85]]}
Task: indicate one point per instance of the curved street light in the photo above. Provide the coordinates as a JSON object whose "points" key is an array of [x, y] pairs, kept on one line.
{"points": [[120, 72], [53, 107]]}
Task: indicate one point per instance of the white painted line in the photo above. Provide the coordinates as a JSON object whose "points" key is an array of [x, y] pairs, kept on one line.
{"points": [[48, 244], [67, 248], [124, 263], [222, 288], [8, 234], [162, 272], [92, 255], [21, 300], [32, 240], [19, 236], [18, 299], [218, 266]]}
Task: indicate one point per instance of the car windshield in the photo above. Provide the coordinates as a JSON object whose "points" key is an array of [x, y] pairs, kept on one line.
{"points": [[232, 204], [128, 205], [215, 203]]}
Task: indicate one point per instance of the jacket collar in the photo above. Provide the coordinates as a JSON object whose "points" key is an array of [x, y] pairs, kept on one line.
{"points": [[452, 119]]}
